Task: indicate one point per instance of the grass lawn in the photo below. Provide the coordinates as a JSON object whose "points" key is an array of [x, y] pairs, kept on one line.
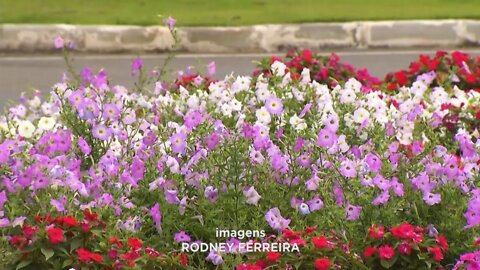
{"points": [[230, 12]]}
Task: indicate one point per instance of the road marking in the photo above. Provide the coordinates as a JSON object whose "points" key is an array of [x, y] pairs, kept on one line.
{"points": [[194, 56]]}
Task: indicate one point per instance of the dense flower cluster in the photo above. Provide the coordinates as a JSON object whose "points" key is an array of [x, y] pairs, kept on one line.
{"points": [[419, 247], [132, 177]]}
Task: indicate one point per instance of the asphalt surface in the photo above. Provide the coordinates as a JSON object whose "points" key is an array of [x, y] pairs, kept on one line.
{"points": [[24, 73]]}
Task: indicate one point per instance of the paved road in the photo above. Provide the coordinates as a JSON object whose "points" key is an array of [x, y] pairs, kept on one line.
{"points": [[21, 73]]}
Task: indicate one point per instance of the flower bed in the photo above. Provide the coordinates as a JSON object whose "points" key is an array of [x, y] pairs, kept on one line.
{"points": [[283, 171]]}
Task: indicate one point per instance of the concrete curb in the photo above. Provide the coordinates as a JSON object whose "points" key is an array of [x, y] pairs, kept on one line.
{"points": [[245, 39]]}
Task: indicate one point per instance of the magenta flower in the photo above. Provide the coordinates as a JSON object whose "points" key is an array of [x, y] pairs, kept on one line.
{"points": [[137, 169], [192, 119], [304, 160], [169, 22], [211, 69], [212, 140], [83, 145], [136, 65], [326, 138], [181, 236], [374, 162], [156, 216], [101, 132], [3, 198], [274, 105], [59, 204], [58, 42]]}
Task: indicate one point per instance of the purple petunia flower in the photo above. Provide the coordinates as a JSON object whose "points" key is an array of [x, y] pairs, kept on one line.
{"points": [[58, 42], [59, 204], [211, 194], [169, 22], [181, 237], [156, 216], [275, 219], [315, 203], [304, 160], [178, 143], [326, 138], [431, 198], [347, 168], [352, 212], [101, 132], [83, 145], [192, 119], [274, 105], [136, 65], [3, 198], [374, 162], [171, 196], [111, 111], [382, 198], [214, 257], [211, 69], [4, 222]]}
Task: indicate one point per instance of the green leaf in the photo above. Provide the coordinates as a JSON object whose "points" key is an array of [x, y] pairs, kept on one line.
{"points": [[23, 264], [47, 252], [75, 244], [387, 263], [67, 263]]}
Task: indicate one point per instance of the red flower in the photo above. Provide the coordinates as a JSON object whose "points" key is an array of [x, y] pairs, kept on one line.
{"points": [[83, 255], [273, 256], [183, 258], [55, 235], [477, 241], [319, 242], [28, 231], [114, 240], [369, 251], [309, 230], [96, 257], [90, 215], [16, 241], [470, 78], [404, 248], [376, 232], [386, 252], [403, 231], [401, 77], [289, 235], [85, 226], [134, 243], [248, 266], [442, 242], [322, 264], [69, 221], [436, 253], [112, 254]]}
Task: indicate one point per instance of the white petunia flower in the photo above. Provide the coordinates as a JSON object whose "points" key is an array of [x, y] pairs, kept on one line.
{"points": [[297, 122], [263, 116], [278, 68], [348, 96], [26, 129], [360, 115], [46, 123]]}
